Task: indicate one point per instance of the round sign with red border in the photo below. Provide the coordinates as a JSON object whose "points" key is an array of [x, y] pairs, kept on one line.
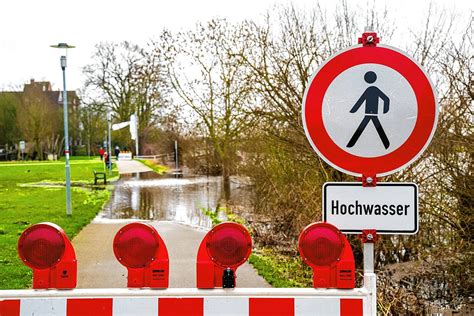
{"points": [[370, 111]]}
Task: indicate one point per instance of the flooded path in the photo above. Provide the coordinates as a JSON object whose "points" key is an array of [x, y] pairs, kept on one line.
{"points": [[149, 196]]}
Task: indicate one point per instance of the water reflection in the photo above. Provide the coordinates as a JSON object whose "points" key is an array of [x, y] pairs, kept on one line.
{"points": [[153, 197]]}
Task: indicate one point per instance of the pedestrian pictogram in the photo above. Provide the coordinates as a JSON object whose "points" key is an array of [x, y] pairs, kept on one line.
{"points": [[371, 98], [369, 110]]}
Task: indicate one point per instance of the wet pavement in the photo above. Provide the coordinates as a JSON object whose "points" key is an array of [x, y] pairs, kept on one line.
{"points": [[175, 207], [131, 166], [98, 267]]}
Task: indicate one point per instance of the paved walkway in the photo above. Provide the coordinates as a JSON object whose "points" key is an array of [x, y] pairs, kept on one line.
{"points": [[98, 267], [131, 166]]}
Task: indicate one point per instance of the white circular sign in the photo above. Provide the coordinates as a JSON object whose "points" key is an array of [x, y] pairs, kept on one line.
{"points": [[397, 118], [369, 111]]}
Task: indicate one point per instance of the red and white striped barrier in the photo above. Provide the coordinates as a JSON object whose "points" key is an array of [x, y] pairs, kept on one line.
{"points": [[334, 272], [215, 306], [144, 302]]}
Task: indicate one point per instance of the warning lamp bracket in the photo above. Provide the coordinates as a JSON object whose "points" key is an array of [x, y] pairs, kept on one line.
{"points": [[228, 279], [369, 39]]}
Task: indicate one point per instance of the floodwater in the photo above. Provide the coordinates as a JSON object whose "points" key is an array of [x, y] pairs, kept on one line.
{"points": [[149, 196]]}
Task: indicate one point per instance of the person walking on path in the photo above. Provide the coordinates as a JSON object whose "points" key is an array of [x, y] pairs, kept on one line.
{"points": [[101, 153], [107, 162], [117, 152], [371, 97]]}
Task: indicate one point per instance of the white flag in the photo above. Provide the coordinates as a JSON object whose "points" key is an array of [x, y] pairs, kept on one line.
{"points": [[133, 126], [120, 125]]}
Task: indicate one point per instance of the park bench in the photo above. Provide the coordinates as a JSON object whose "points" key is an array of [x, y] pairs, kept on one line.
{"points": [[99, 176]]}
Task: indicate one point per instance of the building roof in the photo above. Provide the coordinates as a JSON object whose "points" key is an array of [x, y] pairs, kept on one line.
{"points": [[56, 97]]}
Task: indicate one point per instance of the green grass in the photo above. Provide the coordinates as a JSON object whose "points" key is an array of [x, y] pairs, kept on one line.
{"points": [[160, 169], [22, 206], [80, 158], [40, 171], [280, 270]]}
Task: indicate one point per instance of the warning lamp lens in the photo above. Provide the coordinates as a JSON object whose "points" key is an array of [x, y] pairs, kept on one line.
{"points": [[135, 245], [41, 246], [229, 244], [321, 244]]}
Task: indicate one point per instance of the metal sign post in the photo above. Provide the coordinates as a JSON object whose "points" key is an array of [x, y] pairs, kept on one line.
{"points": [[176, 154], [109, 140], [22, 149], [137, 147], [369, 237]]}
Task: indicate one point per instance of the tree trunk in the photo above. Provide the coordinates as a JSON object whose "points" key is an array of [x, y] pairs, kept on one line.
{"points": [[226, 178]]}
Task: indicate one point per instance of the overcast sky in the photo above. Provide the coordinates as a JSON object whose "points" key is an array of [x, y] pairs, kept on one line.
{"points": [[28, 27]]}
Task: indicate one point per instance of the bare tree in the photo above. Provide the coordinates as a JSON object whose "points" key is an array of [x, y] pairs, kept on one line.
{"points": [[39, 119], [127, 79], [285, 50], [94, 125], [9, 131], [207, 74]]}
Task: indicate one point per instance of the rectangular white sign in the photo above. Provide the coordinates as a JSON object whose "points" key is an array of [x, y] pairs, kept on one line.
{"points": [[390, 208]]}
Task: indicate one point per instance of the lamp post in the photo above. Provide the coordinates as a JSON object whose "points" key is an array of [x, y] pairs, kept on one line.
{"points": [[64, 47], [109, 139]]}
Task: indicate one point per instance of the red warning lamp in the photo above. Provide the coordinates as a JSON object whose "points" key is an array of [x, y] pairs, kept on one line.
{"points": [[46, 249], [326, 250], [140, 248], [224, 248]]}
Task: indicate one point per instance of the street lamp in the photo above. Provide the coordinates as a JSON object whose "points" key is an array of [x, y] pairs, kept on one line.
{"points": [[64, 47], [109, 139]]}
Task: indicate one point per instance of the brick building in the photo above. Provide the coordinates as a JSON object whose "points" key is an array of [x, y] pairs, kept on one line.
{"points": [[42, 95], [56, 97]]}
